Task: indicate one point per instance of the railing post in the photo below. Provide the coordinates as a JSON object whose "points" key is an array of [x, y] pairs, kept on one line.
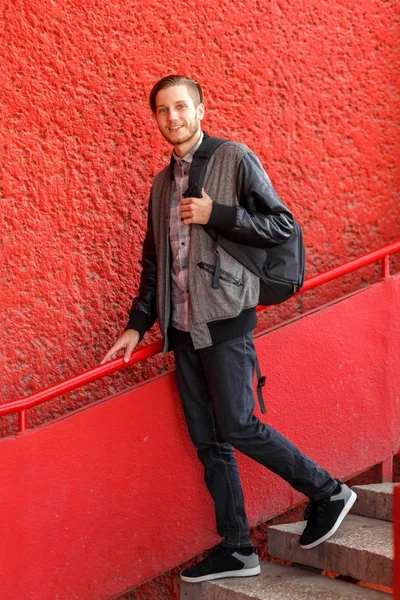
{"points": [[386, 267], [396, 524], [22, 420]]}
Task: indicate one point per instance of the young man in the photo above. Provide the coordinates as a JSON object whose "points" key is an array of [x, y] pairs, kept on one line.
{"points": [[210, 328]]}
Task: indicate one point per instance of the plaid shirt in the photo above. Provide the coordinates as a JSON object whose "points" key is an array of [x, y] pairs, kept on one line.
{"points": [[179, 237]]}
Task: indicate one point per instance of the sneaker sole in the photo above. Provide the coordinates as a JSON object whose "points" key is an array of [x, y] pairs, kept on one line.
{"points": [[242, 573], [336, 526]]}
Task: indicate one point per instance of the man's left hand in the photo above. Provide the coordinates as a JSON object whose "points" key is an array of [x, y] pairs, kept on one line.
{"points": [[196, 210]]}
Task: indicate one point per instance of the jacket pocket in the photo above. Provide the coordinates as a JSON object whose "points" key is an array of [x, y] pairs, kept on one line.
{"points": [[224, 275]]}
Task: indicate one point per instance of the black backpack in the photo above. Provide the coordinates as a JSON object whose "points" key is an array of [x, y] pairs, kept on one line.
{"points": [[281, 268]]}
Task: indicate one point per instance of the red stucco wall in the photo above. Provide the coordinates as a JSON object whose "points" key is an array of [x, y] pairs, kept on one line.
{"points": [[311, 87]]}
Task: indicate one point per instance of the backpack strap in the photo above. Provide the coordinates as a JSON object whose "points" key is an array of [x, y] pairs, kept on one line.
{"points": [[261, 381], [196, 180], [199, 165], [195, 187]]}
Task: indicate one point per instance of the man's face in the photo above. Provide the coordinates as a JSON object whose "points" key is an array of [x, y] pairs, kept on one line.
{"points": [[177, 117]]}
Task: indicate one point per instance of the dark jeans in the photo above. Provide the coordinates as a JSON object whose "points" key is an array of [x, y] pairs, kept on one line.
{"points": [[216, 386]]}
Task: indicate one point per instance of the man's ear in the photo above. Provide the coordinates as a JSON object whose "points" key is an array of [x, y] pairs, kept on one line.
{"points": [[200, 111]]}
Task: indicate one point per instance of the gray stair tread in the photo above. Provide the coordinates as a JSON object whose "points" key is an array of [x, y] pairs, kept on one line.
{"points": [[374, 500], [278, 582], [362, 548], [377, 487]]}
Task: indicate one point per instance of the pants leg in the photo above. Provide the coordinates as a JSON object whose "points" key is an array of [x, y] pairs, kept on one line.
{"points": [[221, 470], [229, 371]]}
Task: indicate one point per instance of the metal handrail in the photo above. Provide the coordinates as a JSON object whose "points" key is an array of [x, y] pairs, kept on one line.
{"points": [[21, 405]]}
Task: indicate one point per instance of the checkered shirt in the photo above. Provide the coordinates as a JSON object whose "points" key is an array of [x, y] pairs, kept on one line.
{"points": [[179, 236]]}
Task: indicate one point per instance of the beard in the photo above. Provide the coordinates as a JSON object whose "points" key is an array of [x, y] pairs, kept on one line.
{"points": [[193, 128]]}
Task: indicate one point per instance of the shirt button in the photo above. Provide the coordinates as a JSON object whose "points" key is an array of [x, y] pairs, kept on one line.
{"points": [[182, 243]]}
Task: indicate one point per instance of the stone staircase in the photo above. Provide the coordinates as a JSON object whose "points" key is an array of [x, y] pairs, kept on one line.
{"points": [[351, 565]]}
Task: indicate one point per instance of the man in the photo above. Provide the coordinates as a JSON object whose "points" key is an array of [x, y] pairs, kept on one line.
{"points": [[210, 328]]}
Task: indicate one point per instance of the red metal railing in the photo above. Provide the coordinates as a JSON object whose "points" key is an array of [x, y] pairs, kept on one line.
{"points": [[23, 404]]}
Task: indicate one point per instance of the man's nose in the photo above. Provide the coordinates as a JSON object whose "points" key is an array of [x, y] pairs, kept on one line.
{"points": [[173, 114]]}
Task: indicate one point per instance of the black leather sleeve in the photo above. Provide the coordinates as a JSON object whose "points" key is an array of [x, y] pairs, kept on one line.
{"points": [[261, 219], [144, 311]]}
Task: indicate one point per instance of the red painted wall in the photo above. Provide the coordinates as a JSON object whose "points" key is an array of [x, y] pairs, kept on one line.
{"points": [[101, 500], [311, 87]]}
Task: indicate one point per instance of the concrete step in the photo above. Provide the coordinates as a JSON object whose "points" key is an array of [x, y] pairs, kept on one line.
{"points": [[278, 582], [374, 501], [362, 548]]}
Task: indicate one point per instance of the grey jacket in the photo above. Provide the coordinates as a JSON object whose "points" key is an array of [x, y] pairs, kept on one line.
{"points": [[246, 209]]}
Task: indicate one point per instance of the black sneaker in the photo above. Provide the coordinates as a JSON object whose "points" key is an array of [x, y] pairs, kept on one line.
{"points": [[223, 562], [325, 516]]}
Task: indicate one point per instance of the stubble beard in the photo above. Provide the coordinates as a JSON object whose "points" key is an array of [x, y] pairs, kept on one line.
{"points": [[192, 132]]}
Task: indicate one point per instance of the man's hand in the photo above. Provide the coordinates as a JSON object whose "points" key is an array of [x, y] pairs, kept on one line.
{"points": [[196, 210], [128, 341]]}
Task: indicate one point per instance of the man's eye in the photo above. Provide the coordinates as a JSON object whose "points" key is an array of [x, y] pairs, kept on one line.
{"points": [[181, 105], [161, 110]]}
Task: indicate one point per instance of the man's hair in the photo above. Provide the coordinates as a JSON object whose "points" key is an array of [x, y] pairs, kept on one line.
{"points": [[194, 89]]}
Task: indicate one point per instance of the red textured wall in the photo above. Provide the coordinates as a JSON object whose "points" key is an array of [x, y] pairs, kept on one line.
{"points": [[311, 87], [101, 500]]}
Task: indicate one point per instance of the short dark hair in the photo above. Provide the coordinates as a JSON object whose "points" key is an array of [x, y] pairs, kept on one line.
{"points": [[193, 86]]}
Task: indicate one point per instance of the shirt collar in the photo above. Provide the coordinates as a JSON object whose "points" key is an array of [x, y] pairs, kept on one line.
{"points": [[189, 156]]}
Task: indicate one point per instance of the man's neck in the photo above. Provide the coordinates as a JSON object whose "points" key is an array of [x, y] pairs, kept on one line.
{"points": [[182, 149]]}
